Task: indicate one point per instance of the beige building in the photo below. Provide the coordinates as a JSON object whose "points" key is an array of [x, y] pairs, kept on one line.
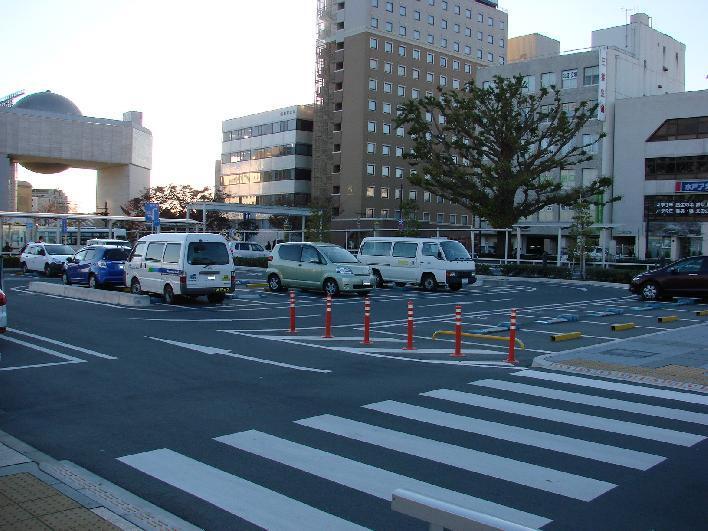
{"points": [[373, 55], [24, 197]]}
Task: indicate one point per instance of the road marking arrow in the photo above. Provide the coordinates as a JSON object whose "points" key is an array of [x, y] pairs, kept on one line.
{"points": [[213, 350]]}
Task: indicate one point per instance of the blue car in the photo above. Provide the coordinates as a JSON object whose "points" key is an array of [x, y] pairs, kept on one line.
{"points": [[97, 266]]}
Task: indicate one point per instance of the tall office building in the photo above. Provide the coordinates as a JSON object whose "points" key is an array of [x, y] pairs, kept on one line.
{"points": [[266, 158], [373, 55]]}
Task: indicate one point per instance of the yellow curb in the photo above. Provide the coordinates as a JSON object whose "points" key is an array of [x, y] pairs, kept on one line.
{"points": [[257, 285], [622, 326], [566, 337], [667, 318], [702, 313], [479, 336]]}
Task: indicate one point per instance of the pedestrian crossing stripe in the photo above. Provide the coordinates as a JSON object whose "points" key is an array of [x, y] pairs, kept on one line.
{"points": [[519, 472], [365, 478], [256, 504], [549, 441], [569, 417]]}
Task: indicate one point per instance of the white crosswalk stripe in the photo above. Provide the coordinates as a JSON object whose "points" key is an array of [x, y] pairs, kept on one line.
{"points": [[247, 500], [365, 478], [569, 417], [410, 432], [598, 401], [549, 441], [691, 398]]}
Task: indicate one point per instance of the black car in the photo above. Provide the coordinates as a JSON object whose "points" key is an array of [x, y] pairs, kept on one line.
{"points": [[687, 277]]}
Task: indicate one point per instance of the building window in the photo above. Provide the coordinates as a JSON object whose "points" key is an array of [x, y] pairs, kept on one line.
{"points": [[369, 212], [388, 27], [443, 81], [501, 43], [371, 126], [443, 61], [372, 105], [456, 28], [373, 43], [490, 22], [416, 35], [480, 35], [501, 24], [374, 22], [399, 151], [338, 106], [490, 57], [340, 25], [431, 20], [402, 51], [440, 217], [372, 85], [429, 58], [590, 144], [385, 150], [415, 93], [591, 75], [337, 148], [370, 191], [402, 91], [401, 70], [490, 39], [388, 47], [468, 68], [374, 64], [480, 17], [416, 15], [440, 200], [388, 67], [681, 129], [529, 84], [416, 54], [397, 195], [337, 168], [370, 148], [385, 213], [426, 216], [413, 195], [589, 176], [370, 169], [455, 83], [388, 87], [374, 3], [430, 39], [455, 64], [386, 108], [416, 74], [464, 219], [428, 117], [335, 190], [429, 77], [427, 197], [567, 179], [385, 171], [387, 129], [443, 42], [569, 79], [548, 79], [455, 46], [453, 219], [389, 7], [399, 173], [402, 31], [443, 23], [402, 11], [400, 132]]}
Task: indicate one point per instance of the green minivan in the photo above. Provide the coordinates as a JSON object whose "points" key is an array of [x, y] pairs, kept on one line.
{"points": [[320, 266]]}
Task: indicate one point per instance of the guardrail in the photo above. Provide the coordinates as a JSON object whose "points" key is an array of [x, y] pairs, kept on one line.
{"points": [[442, 515]]}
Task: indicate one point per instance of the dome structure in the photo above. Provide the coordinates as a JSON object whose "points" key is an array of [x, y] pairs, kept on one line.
{"points": [[47, 102]]}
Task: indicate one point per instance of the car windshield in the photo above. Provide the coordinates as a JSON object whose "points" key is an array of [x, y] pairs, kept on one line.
{"points": [[207, 253], [454, 251], [116, 255], [59, 249], [338, 255]]}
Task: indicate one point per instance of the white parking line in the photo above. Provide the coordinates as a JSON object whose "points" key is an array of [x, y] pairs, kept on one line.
{"points": [[42, 349], [66, 345], [39, 365]]}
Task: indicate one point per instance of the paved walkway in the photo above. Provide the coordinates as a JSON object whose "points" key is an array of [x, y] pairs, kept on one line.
{"points": [[40, 493], [674, 358]]}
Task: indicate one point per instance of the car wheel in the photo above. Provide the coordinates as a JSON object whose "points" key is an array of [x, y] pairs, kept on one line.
{"points": [[65, 278], [274, 283], [168, 294], [135, 288], [93, 282], [379, 279], [649, 291], [429, 283], [216, 298], [47, 271], [455, 286], [330, 287], [24, 268]]}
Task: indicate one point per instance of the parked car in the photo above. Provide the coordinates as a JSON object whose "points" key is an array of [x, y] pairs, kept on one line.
{"points": [[3, 312], [247, 250], [320, 266], [687, 277], [48, 258], [173, 264], [97, 266], [427, 262]]}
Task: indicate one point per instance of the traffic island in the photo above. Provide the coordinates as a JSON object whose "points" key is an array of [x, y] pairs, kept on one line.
{"points": [[88, 294]]}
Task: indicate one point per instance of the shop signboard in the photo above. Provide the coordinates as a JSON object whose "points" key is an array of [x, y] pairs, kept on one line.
{"points": [[694, 187]]}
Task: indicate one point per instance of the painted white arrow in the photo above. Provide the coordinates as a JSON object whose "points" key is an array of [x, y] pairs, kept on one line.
{"points": [[213, 350]]}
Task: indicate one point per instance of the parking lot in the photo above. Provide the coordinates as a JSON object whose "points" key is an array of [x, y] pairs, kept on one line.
{"points": [[139, 395]]}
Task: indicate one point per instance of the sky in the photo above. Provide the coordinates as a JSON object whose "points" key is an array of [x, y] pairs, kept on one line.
{"points": [[188, 66]]}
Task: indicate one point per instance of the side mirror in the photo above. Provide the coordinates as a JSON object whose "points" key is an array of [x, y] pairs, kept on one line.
{"points": [[315, 261], [440, 256]]}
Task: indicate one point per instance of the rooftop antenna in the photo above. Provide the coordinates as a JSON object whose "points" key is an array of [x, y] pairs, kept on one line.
{"points": [[627, 10], [9, 100]]}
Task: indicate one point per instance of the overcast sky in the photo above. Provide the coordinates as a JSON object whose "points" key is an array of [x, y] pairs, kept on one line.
{"points": [[187, 66]]}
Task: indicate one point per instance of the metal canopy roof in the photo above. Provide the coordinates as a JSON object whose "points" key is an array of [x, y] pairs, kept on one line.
{"points": [[250, 209], [91, 217]]}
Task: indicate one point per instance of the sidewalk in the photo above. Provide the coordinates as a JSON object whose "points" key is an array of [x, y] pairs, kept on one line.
{"points": [[673, 358], [40, 493]]}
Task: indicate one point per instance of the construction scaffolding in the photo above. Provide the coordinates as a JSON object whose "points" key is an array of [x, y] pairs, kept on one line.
{"points": [[324, 106]]}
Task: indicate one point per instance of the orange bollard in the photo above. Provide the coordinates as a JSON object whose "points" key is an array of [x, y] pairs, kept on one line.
{"points": [[458, 332], [410, 327], [512, 337], [328, 318], [367, 321], [292, 312]]}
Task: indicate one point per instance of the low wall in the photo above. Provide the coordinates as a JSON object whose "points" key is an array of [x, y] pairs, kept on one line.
{"points": [[95, 295]]}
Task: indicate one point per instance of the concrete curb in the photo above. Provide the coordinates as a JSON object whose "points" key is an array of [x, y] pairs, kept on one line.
{"points": [[556, 281], [110, 502], [95, 295]]}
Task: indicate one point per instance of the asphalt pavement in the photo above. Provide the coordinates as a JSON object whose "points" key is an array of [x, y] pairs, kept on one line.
{"points": [[221, 418]]}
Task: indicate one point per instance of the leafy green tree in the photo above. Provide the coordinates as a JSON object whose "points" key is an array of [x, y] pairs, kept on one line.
{"points": [[409, 214], [491, 149], [318, 222], [581, 232]]}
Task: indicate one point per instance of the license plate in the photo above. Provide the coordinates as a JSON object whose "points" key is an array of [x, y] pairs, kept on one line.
{"points": [[211, 277]]}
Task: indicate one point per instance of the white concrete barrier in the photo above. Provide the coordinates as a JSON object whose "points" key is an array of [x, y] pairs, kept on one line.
{"points": [[96, 295]]}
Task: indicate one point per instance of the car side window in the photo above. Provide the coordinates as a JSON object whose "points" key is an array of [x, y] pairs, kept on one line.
{"points": [[309, 253], [405, 249], [290, 252], [257, 247], [80, 255], [172, 253], [692, 265], [430, 249], [138, 252], [90, 254], [154, 252]]}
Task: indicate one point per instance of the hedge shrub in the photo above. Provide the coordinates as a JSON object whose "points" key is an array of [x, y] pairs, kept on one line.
{"points": [[11, 261]]}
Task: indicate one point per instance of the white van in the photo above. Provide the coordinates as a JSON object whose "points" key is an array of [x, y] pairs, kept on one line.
{"points": [[172, 264], [428, 262]]}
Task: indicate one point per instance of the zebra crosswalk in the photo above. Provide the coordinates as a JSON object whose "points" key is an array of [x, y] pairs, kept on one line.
{"points": [[488, 447]]}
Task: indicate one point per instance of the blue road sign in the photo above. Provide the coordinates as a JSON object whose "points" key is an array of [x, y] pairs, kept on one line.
{"points": [[64, 226], [152, 213]]}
